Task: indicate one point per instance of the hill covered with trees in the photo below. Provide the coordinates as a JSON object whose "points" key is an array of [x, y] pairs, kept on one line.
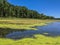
{"points": [[9, 10]]}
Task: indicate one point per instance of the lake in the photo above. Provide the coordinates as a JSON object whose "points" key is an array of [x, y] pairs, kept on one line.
{"points": [[51, 29]]}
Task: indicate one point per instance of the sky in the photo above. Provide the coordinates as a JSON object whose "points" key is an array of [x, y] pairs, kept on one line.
{"points": [[48, 7]]}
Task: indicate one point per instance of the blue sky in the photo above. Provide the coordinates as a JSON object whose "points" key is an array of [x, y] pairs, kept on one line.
{"points": [[48, 7]]}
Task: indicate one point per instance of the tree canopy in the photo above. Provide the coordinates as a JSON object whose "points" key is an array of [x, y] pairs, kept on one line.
{"points": [[9, 10]]}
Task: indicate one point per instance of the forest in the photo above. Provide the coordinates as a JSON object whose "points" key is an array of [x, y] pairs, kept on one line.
{"points": [[10, 10], [20, 25]]}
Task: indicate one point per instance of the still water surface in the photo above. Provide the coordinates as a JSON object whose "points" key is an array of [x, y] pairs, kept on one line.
{"points": [[52, 29]]}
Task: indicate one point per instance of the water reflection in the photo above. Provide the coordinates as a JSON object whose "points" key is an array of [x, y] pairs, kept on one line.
{"points": [[52, 30]]}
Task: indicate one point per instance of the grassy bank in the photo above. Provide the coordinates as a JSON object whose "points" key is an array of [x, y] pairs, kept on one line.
{"points": [[27, 24], [21, 23], [39, 40]]}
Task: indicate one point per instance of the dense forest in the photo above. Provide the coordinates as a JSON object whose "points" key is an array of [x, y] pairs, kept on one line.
{"points": [[9, 10]]}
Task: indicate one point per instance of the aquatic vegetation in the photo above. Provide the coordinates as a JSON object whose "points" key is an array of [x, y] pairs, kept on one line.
{"points": [[22, 23], [39, 40], [26, 24]]}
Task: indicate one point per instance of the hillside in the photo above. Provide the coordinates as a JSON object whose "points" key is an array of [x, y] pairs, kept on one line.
{"points": [[9, 10]]}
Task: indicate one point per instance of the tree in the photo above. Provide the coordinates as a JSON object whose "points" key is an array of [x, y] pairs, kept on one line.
{"points": [[9, 10]]}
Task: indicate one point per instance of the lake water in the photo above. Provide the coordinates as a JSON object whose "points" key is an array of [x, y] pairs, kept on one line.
{"points": [[52, 29]]}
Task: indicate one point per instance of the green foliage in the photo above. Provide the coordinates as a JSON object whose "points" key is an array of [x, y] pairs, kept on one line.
{"points": [[9, 10]]}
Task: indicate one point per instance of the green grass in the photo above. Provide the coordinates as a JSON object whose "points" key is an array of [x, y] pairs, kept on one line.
{"points": [[27, 24], [22, 23], [39, 40]]}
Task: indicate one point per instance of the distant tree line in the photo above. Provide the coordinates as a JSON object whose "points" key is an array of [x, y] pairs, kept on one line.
{"points": [[9, 10], [57, 18]]}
